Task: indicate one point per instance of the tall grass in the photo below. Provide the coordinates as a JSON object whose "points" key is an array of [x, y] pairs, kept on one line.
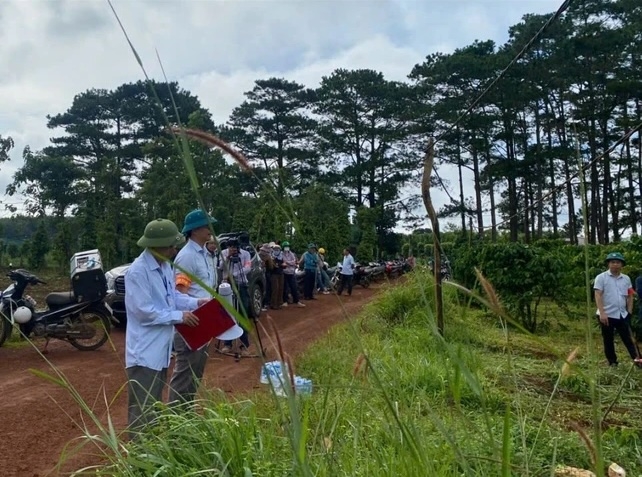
{"points": [[397, 399], [394, 397]]}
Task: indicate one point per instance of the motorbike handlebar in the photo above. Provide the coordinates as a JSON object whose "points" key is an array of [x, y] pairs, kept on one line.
{"points": [[42, 282]]}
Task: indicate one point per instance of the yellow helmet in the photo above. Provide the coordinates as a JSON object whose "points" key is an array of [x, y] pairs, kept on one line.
{"points": [[322, 251]]}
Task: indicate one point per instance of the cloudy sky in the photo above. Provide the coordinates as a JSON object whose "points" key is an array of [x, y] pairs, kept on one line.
{"points": [[50, 50]]}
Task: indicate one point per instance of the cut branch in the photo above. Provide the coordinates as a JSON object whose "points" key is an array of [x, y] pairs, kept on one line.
{"points": [[429, 160]]}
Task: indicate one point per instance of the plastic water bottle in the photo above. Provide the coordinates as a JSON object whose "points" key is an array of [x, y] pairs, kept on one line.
{"points": [[302, 385], [273, 369]]}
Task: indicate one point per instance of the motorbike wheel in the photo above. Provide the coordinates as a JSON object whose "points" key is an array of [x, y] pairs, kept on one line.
{"points": [[5, 329], [101, 322], [364, 282]]}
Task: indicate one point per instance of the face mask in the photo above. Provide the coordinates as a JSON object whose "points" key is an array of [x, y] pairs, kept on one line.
{"points": [[286, 249]]}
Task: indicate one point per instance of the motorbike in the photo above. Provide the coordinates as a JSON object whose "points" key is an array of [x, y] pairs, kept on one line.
{"points": [[85, 322], [444, 270], [376, 270], [360, 276], [335, 278], [393, 268]]}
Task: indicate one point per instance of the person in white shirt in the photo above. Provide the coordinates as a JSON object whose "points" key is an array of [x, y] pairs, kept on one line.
{"points": [[614, 300], [153, 307], [347, 272], [193, 261], [235, 265]]}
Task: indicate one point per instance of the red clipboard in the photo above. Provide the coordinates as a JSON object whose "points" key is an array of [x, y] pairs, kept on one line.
{"points": [[213, 320]]}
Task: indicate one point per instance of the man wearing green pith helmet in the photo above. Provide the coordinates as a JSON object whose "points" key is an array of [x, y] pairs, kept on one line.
{"points": [[614, 300], [153, 307]]}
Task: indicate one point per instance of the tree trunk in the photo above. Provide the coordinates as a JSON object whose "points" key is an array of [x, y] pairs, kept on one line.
{"points": [[527, 211], [540, 175], [280, 163], [478, 196], [631, 187], [638, 120], [512, 185], [607, 185], [570, 197], [616, 204], [595, 235], [550, 114]]}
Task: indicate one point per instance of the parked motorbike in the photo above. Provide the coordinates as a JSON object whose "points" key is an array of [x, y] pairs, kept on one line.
{"points": [[444, 271], [393, 268], [335, 278], [80, 317], [361, 275], [376, 270]]}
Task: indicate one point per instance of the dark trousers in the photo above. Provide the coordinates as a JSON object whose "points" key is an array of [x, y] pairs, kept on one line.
{"points": [[608, 335], [268, 289], [290, 287], [308, 284], [144, 387], [345, 282], [189, 367], [245, 301], [277, 291]]}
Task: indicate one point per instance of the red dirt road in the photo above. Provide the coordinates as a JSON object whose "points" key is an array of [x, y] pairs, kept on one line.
{"points": [[38, 418]]}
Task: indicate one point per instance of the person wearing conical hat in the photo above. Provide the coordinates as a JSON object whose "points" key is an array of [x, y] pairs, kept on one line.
{"points": [[153, 307]]}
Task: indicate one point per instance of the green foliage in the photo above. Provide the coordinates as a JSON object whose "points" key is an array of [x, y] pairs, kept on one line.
{"points": [[366, 220], [38, 248], [274, 129], [322, 218], [522, 275], [6, 144], [63, 246]]}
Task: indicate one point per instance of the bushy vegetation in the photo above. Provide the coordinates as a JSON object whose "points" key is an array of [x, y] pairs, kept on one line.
{"points": [[392, 397], [530, 276]]}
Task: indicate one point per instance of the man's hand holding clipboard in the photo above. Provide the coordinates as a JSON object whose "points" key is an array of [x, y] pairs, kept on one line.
{"points": [[210, 319]]}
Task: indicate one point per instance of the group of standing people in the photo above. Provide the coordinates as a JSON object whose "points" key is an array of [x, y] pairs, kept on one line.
{"points": [[281, 265], [159, 296]]}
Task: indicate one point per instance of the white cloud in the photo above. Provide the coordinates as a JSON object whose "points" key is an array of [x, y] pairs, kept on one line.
{"points": [[55, 49]]}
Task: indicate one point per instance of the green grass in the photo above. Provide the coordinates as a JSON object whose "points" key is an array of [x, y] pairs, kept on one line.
{"points": [[483, 401]]}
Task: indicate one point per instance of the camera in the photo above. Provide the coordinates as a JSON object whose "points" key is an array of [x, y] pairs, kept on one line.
{"points": [[235, 259]]}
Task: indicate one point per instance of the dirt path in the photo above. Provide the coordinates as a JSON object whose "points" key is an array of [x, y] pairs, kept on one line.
{"points": [[38, 418]]}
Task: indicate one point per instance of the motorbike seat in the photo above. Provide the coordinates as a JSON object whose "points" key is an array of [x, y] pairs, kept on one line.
{"points": [[60, 298]]}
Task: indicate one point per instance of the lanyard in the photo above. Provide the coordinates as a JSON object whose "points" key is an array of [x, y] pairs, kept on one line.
{"points": [[165, 285]]}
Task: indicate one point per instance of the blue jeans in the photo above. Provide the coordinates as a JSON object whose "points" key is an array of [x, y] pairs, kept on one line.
{"points": [[323, 280]]}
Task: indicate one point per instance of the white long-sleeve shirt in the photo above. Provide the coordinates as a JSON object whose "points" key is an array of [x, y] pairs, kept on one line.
{"points": [[197, 261], [153, 307], [348, 263]]}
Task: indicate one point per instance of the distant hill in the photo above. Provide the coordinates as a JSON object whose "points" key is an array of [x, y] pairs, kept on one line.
{"points": [[15, 230]]}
